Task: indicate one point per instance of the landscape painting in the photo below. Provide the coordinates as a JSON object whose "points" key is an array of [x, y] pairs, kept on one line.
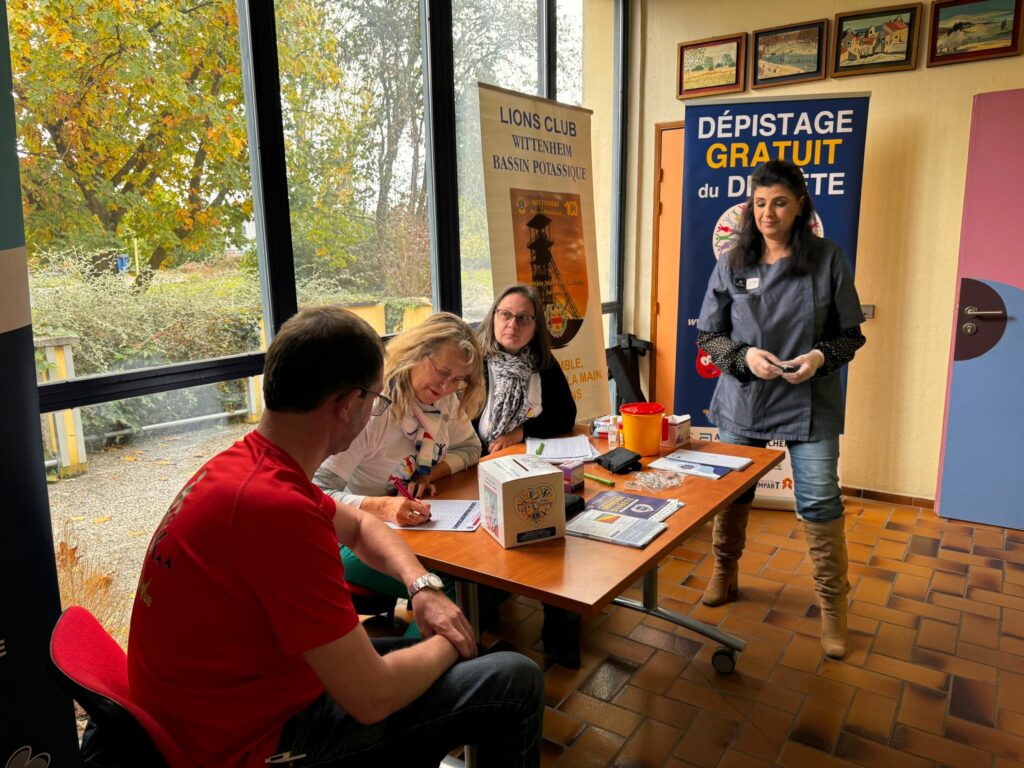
{"points": [[712, 66], [971, 31], [791, 54], [878, 40]]}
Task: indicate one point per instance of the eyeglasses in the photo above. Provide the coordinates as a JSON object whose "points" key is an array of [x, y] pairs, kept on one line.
{"points": [[381, 402], [522, 319], [459, 383]]}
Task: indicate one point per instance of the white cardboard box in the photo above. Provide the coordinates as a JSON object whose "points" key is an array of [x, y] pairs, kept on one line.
{"points": [[675, 431], [523, 500]]}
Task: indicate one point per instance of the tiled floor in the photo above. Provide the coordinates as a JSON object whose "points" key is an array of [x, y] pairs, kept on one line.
{"points": [[934, 677]]}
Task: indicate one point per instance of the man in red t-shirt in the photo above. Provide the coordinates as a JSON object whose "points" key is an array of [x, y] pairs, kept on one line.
{"points": [[244, 643]]}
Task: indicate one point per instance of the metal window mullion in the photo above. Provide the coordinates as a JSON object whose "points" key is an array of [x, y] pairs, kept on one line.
{"points": [[620, 156], [547, 49], [262, 84], [442, 155]]}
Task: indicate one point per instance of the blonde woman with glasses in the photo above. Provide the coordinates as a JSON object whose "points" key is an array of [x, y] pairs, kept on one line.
{"points": [[420, 430]]}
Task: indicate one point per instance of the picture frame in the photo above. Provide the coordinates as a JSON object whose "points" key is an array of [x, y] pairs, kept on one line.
{"points": [[792, 53], [711, 66], [973, 30], [875, 40]]}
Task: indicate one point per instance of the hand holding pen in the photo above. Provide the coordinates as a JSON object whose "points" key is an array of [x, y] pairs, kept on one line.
{"points": [[408, 510]]}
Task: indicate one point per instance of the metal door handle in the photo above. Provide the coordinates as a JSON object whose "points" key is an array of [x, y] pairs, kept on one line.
{"points": [[975, 312]]}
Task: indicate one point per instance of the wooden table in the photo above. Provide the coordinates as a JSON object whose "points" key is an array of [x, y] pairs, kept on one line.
{"points": [[583, 575]]}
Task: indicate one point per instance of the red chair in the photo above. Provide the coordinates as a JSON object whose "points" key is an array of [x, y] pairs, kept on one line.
{"points": [[367, 602], [91, 667]]}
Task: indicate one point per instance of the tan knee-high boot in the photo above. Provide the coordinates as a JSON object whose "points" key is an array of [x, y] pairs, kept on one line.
{"points": [[826, 543], [729, 536]]}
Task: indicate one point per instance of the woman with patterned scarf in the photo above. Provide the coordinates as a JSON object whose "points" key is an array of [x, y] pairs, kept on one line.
{"points": [[420, 430], [527, 396]]}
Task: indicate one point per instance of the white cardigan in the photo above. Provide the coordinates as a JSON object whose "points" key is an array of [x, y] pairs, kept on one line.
{"points": [[380, 449]]}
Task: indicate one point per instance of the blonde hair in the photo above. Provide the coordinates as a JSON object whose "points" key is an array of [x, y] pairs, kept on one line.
{"points": [[406, 350]]}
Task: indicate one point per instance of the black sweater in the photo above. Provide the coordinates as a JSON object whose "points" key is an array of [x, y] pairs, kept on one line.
{"points": [[558, 416]]}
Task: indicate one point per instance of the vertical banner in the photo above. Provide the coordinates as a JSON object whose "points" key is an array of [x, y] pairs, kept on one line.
{"points": [[540, 222], [724, 144], [37, 725]]}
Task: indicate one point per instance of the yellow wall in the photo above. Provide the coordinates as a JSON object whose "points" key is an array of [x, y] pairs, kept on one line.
{"points": [[914, 169]]}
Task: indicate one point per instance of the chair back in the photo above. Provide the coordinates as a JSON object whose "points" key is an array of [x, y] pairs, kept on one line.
{"points": [[93, 669]]}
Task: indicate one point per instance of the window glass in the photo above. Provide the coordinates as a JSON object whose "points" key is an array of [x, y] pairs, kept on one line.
{"points": [[495, 43], [586, 66], [114, 470], [352, 99], [135, 178]]}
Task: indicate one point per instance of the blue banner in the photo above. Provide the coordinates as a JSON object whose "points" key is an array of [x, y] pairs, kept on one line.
{"points": [[723, 146]]}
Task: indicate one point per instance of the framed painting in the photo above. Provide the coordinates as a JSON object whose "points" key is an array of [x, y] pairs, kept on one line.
{"points": [[711, 66], [793, 53], [875, 40], [973, 30]]}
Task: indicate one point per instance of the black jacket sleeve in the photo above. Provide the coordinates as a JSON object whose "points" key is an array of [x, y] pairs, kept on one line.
{"points": [[558, 416]]}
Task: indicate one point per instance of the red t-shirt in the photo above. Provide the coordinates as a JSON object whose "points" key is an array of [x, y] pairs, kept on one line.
{"points": [[242, 576]]}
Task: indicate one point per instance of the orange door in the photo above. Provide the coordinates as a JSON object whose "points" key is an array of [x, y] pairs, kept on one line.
{"points": [[668, 220]]}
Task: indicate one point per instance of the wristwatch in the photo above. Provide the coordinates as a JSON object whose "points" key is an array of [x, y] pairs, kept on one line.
{"points": [[426, 581]]}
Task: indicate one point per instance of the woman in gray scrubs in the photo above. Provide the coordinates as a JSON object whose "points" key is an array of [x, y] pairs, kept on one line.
{"points": [[780, 318]]}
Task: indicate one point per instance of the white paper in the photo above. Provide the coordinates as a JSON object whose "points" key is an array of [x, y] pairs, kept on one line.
{"points": [[714, 459], [559, 449], [448, 515]]}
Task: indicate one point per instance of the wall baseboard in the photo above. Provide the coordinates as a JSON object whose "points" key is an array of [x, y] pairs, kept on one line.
{"points": [[891, 498]]}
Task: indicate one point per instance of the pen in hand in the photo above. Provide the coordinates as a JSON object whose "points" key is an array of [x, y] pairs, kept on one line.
{"points": [[403, 491]]}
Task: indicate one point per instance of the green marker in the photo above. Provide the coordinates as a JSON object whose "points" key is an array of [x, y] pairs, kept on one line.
{"points": [[540, 449], [597, 479]]}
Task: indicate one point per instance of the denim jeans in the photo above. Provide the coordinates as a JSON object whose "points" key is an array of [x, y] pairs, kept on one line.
{"points": [[815, 475], [495, 701]]}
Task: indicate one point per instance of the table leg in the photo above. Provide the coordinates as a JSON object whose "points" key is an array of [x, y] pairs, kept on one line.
{"points": [[468, 600], [650, 607]]}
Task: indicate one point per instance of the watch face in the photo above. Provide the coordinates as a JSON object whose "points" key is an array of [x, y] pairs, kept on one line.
{"points": [[433, 580]]}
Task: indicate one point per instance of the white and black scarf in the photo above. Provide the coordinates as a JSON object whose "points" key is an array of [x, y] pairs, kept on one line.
{"points": [[509, 382]]}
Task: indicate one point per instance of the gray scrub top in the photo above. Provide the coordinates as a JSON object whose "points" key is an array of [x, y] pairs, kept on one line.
{"points": [[766, 307]]}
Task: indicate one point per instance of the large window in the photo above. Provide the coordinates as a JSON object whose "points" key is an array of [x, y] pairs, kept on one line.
{"points": [[136, 184], [352, 101]]}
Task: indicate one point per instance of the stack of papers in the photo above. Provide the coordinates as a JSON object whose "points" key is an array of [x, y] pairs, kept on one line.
{"points": [[634, 505], [701, 463], [559, 449]]}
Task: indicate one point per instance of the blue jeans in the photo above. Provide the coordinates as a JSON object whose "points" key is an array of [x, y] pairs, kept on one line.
{"points": [[815, 475], [495, 701]]}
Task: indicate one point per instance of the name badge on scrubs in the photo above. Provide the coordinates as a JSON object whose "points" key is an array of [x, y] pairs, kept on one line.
{"points": [[752, 283]]}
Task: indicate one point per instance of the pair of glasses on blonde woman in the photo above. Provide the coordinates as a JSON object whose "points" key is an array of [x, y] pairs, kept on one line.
{"points": [[448, 379]]}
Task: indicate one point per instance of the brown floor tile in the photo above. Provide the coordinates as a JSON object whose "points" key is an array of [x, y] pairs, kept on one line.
{"points": [[650, 745], [803, 653], [659, 671], [979, 630], [704, 698], [919, 608], [944, 662], [894, 641], [855, 675], [890, 615], [942, 750], [797, 755], [989, 739], [993, 658], [813, 685], [873, 755], [560, 683], [913, 587], [562, 729], [908, 672], [950, 583], [973, 700], [620, 647], [621, 621], [736, 759], [817, 724], [764, 732], [1011, 691], [980, 577], [594, 748], [1011, 722], [937, 635], [922, 708], [707, 740], [655, 706], [871, 716], [604, 715], [608, 679]]}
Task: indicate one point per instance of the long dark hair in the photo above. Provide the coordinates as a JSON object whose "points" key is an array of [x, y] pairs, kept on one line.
{"points": [[541, 341], [750, 245]]}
